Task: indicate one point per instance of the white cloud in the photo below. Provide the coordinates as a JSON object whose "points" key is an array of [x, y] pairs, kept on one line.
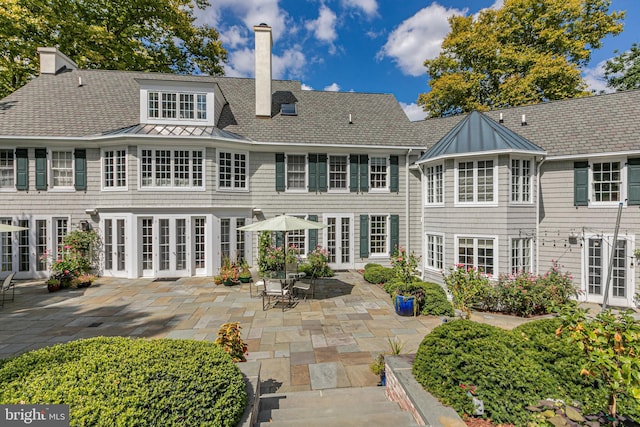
{"points": [[594, 77], [241, 63], [333, 87], [290, 64], [324, 28], [234, 37], [418, 38], [306, 87], [413, 111], [369, 7], [251, 12]]}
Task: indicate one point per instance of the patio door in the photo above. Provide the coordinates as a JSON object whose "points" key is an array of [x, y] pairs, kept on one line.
{"points": [[115, 253], [172, 247], [339, 240], [598, 251]]}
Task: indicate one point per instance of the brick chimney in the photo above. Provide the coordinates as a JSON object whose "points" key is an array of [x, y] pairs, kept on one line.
{"points": [[263, 70], [53, 61]]}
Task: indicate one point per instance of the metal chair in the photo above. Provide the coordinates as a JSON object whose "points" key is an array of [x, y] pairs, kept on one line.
{"points": [[276, 291], [6, 285], [306, 284]]}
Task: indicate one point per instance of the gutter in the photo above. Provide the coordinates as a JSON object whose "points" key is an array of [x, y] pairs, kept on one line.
{"points": [[407, 205], [539, 184]]}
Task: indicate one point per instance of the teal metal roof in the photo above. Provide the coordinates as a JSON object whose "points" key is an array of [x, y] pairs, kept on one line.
{"points": [[477, 133]]}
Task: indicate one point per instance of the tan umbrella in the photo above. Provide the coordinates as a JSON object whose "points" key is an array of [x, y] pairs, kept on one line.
{"points": [[7, 228]]}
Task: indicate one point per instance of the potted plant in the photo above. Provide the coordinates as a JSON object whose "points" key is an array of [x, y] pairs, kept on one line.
{"points": [[245, 273], [230, 339], [229, 272], [377, 367], [84, 280], [217, 279], [53, 284], [407, 299]]}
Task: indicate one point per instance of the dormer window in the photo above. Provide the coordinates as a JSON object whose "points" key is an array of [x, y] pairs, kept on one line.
{"points": [[171, 105], [288, 109]]}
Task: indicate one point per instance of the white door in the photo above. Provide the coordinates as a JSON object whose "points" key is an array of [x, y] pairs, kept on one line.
{"points": [[338, 236], [115, 241], [598, 251], [172, 247]]}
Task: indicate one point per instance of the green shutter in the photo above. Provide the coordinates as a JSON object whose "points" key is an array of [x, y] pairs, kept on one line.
{"points": [[80, 169], [22, 169], [279, 240], [353, 173], [394, 240], [280, 172], [394, 183], [313, 172], [322, 172], [633, 182], [364, 173], [313, 234], [41, 168], [581, 183], [364, 236]]}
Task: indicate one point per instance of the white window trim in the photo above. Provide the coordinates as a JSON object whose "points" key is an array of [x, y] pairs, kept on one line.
{"points": [[623, 183], [388, 173], [387, 242], [338, 190], [175, 87], [475, 202], [305, 188], [426, 185], [102, 170], [171, 188], [232, 189], [475, 238], [532, 176], [12, 189], [531, 249], [50, 186], [426, 246]]}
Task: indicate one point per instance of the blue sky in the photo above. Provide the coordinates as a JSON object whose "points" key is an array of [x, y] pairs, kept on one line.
{"points": [[374, 46]]}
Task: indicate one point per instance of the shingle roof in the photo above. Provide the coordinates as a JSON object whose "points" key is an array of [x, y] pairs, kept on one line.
{"points": [[572, 127], [108, 101], [476, 133]]}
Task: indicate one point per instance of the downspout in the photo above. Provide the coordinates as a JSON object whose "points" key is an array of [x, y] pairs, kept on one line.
{"points": [[407, 204], [539, 184]]}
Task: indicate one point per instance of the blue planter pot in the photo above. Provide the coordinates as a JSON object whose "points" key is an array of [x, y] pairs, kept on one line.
{"points": [[404, 305]]}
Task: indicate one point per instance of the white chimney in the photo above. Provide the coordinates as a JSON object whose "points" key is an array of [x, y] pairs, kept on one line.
{"points": [[52, 61], [263, 70]]}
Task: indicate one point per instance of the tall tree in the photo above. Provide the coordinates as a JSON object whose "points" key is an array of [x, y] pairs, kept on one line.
{"points": [[141, 35], [528, 51], [623, 71]]}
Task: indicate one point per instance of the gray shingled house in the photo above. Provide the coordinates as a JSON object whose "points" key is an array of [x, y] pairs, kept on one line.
{"points": [[167, 167]]}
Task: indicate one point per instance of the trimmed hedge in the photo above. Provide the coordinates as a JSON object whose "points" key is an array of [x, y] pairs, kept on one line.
{"points": [[432, 297], [376, 273], [510, 370], [124, 382]]}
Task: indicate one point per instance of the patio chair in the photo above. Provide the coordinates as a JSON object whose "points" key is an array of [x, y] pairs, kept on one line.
{"points": [[306, 284], [274, 290], [259, 285], [293, 273], [6, 285]]}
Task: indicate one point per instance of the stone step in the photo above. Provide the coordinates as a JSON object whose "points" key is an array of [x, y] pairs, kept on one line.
{"points": [[327, 409], [305, 399], [395, 419]]}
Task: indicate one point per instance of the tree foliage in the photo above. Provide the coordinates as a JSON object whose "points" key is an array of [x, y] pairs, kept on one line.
{"points": [[144, 35], [526, 52], [623, 71]]}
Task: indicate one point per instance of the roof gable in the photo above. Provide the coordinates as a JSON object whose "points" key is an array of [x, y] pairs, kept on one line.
{"points": [[477, 133]]}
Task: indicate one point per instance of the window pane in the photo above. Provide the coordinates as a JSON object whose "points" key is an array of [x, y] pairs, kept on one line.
{"points": [[62, 168], [378, 172], [595, 266], [201, 107], [186, 106], [163, 168], [154, 109], [337, 172], [296, 172], [147, 168], [181, 168], [240, 170], [434, 252], [6, 169], [199, 242], [169, 105], [434, 176], [485, 181], [6, 246], [465, 182], [465, 253], [378, 234], [224, 170], [606, 182]]}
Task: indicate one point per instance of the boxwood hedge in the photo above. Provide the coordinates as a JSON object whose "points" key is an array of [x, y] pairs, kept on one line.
{"points": [[509, 370], [130, 382], [376, 273]]}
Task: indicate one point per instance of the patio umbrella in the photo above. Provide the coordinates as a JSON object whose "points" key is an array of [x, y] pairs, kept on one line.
{"points": [[7, 228], [283, 223]]}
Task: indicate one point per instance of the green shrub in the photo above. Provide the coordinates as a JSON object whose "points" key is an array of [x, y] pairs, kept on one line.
{"points": [[125, 382], [464, 353], [436, 303], [378, 274]]}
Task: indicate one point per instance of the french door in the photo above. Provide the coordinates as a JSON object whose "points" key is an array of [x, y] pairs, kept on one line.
{"points": [[115, 247], [598, 263], [339, 240], [164, 246]]}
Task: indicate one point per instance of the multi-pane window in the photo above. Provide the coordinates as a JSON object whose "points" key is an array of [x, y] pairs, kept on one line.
{"points": [[619, 270], [62, 169], [171, 168], [181, 105], [147, 243], [6, 246], [434, 252], [338, 175], [6, 169], [41, 245], [378, 234], [225, 239], [476, 253], [61, 226], [378, 173], [595, 271], [240, 239], [520, 255], [232, 170], [598, 258], [607, 181], [296, 172], [232, 240], [199, 248], [434, 184], [24, 261], [114, 163], [297, 239], [476, 181], [520, 181]]}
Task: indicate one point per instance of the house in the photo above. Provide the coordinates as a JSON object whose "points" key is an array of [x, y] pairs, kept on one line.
{"points": [[167, 167]]}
